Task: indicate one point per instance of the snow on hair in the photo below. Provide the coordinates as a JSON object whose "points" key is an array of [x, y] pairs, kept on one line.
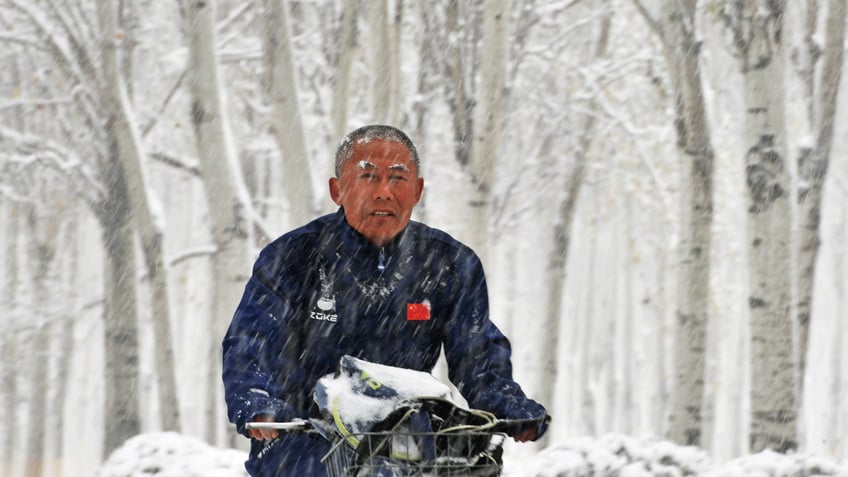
{"points": [[369, 133]]}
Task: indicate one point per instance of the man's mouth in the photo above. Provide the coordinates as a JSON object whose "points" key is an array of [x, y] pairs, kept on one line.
{"points": [[382, 214]]}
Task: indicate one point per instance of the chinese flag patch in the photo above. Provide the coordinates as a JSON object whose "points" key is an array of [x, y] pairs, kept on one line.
{"points": [[417, 312]]}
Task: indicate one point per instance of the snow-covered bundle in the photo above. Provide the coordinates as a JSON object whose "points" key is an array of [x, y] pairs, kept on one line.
{"points": [[363, 393]]}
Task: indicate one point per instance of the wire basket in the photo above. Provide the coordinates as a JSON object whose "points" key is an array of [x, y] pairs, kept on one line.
{"points": [[407, 454]]}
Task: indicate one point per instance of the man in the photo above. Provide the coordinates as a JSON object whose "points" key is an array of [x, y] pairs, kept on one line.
{"points": [[370, 283]]}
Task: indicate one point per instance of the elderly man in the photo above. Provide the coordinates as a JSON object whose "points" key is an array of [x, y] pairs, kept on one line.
{"points": [[367, 282]]}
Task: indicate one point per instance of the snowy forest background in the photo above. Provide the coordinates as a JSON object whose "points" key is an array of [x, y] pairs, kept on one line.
{"points": [[657, 189]]}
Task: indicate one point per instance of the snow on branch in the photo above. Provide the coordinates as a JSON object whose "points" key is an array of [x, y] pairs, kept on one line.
{"points": [[20, 152]]}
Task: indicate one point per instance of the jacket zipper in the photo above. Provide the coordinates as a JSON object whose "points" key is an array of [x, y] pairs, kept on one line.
{"points": [[381, 265]]}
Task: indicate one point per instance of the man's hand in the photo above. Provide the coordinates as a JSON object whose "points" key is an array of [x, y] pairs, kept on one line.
{"points": [[526, 435], [263, 434]]}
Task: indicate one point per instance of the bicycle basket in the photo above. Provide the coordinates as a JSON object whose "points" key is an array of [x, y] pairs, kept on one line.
{"points": [[408, 454]]}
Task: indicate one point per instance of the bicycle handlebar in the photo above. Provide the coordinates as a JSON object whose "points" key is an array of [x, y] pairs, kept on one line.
{"points": [[296, 425]]}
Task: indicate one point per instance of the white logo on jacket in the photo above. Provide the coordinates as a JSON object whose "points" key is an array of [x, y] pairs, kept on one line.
{"points": [[325, 307]]}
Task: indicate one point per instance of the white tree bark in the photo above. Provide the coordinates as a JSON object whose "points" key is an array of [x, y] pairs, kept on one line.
{"points": [[146, 213], [384, 61], [757, 28], [122, 418], [226, 193], [681, 48], [558, 256], [8, 341], [489, 120], [344, 63], [813, 162], [286, 122]]}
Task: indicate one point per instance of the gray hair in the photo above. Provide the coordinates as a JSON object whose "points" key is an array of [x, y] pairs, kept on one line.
{"points": [[371, 132]]}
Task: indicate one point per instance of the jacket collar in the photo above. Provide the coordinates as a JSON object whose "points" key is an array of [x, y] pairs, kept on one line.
{"points": [[354, 242]]}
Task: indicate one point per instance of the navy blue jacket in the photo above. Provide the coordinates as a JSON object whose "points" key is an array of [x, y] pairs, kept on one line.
{"points": [[323, 291]]}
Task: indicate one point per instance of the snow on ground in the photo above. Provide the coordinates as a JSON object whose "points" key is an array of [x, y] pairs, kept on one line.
{"points": [[173, 455]]}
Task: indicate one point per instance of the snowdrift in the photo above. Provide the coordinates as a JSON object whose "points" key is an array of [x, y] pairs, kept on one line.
{"points": [[173, 455]]}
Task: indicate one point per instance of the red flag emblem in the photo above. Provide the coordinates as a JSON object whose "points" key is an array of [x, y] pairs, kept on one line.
{"points": [[417, 312]]}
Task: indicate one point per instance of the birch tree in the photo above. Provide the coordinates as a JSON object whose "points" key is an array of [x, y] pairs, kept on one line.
{"points": [[757, 28], [681, 48], [146, 213], [344, 64], [42, 227], [821, 94], [286, 119], [489, 120], [227, 196], [562, 234], [384, 60]]}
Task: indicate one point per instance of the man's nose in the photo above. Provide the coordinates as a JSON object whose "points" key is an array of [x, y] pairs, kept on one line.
{"points": [[383, 191]]}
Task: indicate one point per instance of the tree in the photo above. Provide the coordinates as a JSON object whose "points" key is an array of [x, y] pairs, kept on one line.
{"points": [[286, 119], [562, 233], [813, 160], [682, 52], [757, 28], [344, 63], [229, 203], [489, 112], [146, 214]]}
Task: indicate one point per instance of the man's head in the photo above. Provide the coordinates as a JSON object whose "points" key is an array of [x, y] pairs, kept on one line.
{"points": [[377, 181]]}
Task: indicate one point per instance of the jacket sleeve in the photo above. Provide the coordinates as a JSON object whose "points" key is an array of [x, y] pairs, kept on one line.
{"points": [[249, 349], [478, 354]]}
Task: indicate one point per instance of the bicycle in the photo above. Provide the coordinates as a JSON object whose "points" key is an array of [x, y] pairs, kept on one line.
{"points": [[393, 449], [383, 421]]}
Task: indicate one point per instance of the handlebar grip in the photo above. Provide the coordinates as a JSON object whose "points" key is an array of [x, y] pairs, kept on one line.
{"points": [[297, 425]]}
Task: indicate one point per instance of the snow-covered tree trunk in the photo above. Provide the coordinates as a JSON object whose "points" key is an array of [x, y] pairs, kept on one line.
{"points": [[459, 84], [122, 418], [558, 256], [681, 47], [384, 52], [146, 213], [489, 120], [344, 64], [286, 120], [814, 160], [229, 203], [757, 29], [42, 230], [8, 343]]}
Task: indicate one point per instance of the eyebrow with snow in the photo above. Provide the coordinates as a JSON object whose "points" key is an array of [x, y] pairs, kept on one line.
{"points": [[363, 164]]}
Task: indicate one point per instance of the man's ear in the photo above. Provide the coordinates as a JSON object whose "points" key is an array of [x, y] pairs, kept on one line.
{"points": [[420, 189], [335, 191]]}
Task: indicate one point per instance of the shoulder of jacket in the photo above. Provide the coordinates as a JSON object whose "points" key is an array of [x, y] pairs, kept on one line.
{"points": [[295, 245], [434, 237]]}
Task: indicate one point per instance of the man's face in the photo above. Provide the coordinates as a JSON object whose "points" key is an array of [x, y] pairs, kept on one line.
{"points": [[378, 187]]}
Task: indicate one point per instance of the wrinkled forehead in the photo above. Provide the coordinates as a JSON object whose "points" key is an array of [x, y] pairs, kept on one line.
{"points": [[370, 153]]}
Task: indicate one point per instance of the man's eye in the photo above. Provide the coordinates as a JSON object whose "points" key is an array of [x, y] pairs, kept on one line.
{"points": [[397, 177], [367, 176]]}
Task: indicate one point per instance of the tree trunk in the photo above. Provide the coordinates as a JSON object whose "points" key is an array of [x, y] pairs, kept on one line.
{"points": [[489, 119], [122, 418], [758, 32], [696, 212], [226, 194], [344, 63], [812, 169], [146, 212], [42, 232], [286, 122], [558, 257], [459, 85], [8, 339]]}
